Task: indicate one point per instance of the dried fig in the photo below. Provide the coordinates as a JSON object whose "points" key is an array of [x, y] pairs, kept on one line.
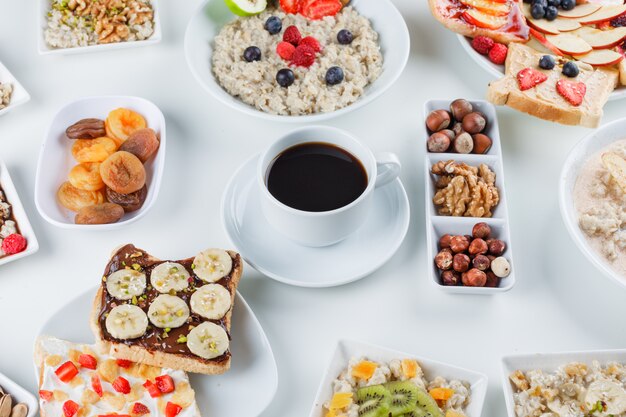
{"points": [[86, 129], [93, 150], [123, 172], [129, 202], [142, 143], [86, 176], [104, 213], [74, 199]]}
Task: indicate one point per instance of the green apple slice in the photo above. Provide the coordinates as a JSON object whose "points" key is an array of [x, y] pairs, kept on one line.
{"points": [[246, 7]]}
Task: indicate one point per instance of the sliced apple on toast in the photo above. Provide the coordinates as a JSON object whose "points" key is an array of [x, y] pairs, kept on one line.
{"points": [[483, 20], [602, 39], [541, 39], [489, 7], [581, 10], [603, 14], [569, 44], [601, 57]]}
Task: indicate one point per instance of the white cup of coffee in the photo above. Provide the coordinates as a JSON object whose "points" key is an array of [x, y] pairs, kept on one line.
{"points": [[316, 184]]}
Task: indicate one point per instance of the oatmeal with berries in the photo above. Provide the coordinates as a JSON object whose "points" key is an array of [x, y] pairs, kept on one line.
{"points": [[11, 241], [288, 64]]}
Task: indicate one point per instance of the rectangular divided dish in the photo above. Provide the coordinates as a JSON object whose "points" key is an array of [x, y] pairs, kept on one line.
{"points": [[438, 225], [19, 95]]}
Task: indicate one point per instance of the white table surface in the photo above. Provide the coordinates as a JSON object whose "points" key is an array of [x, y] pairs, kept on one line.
{"points": [[561, 302]]}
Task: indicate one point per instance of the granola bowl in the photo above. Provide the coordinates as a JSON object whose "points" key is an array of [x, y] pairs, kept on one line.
{"points": [[592, 144]]}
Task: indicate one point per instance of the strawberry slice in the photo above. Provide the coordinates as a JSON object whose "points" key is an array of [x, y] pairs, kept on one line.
{"points": [[139, 409], [318, 9], [290, 6], [529, 78], [96, 385], [165, 383], [114, 415], [45, 395], [123, 363], [87, 361], [172, 410], [121, 385], [572, 91], [67, 371], [70, 408], [152, 389]]}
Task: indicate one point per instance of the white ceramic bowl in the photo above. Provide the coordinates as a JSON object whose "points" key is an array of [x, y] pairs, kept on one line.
{"points": [[213, 15], [55, 158], [549, 362], [437, 226], [590, 145], [21, 219], [44, 49], [346, 349], [19, 95], [19, 395], [497, 71]]}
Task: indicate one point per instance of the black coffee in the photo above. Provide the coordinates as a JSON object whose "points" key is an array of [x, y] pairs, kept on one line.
{"points": [[316, 176]]}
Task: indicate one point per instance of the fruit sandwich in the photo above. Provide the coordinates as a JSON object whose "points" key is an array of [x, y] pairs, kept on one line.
{"points": [[174, 314]]}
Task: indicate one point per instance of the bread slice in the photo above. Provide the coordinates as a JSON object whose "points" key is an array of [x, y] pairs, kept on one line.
{"points": [[153, 354], [543, 101]]}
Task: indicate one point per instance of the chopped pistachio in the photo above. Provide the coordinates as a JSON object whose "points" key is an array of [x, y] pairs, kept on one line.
{"points": [[137, 267], [182, 339], [134, 300]]}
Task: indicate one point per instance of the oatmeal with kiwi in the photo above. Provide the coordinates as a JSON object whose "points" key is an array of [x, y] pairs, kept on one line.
{"points": [[290, 64]]}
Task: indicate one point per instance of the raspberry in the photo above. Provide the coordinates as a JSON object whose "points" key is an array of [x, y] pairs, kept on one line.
{"points": [[498, 53], [312, 42], [482, 44], [13, 244], [292, 35], [285, 50], [619, 21], [304, 56]]}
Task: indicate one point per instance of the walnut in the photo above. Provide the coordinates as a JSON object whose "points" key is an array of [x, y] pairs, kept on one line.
{"points": [[86, 129]]}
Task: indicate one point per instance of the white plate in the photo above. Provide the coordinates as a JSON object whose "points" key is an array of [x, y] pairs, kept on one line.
{"points": [[497, 71], [213, 15], [19, 395], [56, 161], [253, 374], [437, 226], [549, 362], [19, 95], [21, 218], [44, 49], [346, 349], [587, 147], [279, 258]]}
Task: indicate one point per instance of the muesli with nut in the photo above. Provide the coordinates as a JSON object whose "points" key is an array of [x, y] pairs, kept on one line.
{"points": [[6, 90]]}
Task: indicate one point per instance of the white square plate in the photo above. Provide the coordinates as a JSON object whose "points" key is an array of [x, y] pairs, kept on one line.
{"points": [[19, 95], [19, 395]]}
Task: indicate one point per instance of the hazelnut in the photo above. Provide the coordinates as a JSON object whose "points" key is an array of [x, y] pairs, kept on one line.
{"points": [[450, 278], [492, 280], [438, 120], [461, 262], [438, 142], [474, 278], [457, 128], [444, 241], [491, 257], [449, 133], [496, 247], [481, 262], [464, 143], [482, 143], [443, 259], [460, 108], [481, 230], [474, 123], [501, 267], [478, 247], [459, 244]]}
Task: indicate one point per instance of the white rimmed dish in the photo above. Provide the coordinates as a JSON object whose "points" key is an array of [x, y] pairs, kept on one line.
{"points": [[213, 15], [45, 49], [577, 157], [55, 158], [21, 219], [497, 71], [19, 395], [437, 225], [346, 349], [253, 370], [19, 95], [549, 362]]}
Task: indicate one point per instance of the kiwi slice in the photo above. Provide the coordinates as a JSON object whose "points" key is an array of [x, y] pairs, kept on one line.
{"points": [[426, 403], [403, 397], [418, 412], [373, 401]]}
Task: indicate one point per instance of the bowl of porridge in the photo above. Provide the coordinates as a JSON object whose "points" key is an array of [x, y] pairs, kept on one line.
{"points": [[239, 61], [593, 198]]}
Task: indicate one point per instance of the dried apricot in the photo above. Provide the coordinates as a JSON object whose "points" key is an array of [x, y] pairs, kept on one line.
{"points": [[123, 172], [142, 143], [75, 199], [93, 150], [120, 123], [130, 202], [86, 176], [104, 213]]}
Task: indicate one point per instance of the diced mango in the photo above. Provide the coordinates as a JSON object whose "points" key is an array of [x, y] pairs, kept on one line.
{"points": [[409, 368], [341, 400], [364, 370], [441, 394], [331, 413]]}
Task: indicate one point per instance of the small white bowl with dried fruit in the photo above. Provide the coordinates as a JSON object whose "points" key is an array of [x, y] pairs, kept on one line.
{"points": [[23, 403]]}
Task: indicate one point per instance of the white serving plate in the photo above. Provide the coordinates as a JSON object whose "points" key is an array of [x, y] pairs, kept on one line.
{"points": [[346, 349], [497, 71], [437, 226], [19, 95], [213, 15], [55, 158], [19, 395], [44, 49], [590, 145], [549, 362], [253, 371], [21, 218]]}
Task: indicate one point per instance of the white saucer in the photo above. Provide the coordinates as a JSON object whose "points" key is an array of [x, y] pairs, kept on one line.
{"points": [[283, 260]]}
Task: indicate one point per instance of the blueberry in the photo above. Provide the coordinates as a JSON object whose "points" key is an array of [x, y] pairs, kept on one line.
{"points": [[570, 69], [551, 12], [345, 37], [527, 1], [543, 3], [547, 62], [537, 11], [273, 25], [252, 53], [285, 77], [555, 3], [568, 4], [334, 76]]}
